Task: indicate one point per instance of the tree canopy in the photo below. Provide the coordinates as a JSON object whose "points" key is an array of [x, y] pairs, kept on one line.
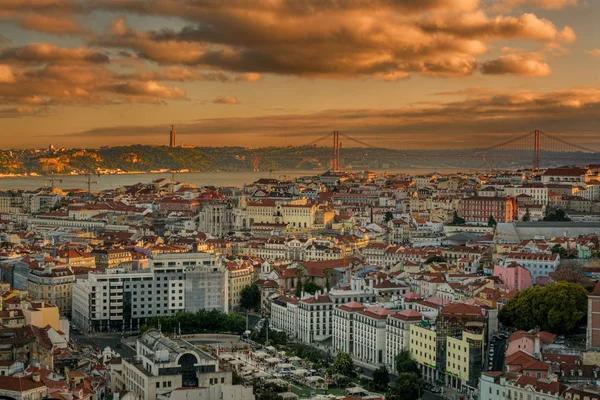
{"points": [[558, 308], [456, 220], [344, 365], [404, 363], [311, 287], [436, 259], [250, 297], [492, 221], [381, 378], [201, 321], [388, 216], [407, 387], [557, 214]]}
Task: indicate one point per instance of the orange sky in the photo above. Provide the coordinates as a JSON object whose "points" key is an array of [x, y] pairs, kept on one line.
{"points": [[396, 73]]}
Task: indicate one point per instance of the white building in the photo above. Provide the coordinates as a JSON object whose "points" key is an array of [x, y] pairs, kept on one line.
{"points": [[115, 300], [284, 315], [314, 318], [491, 386], [344, 331], [537, 191], [397, 335], [162, 365], [370, 335], [538, 264]]}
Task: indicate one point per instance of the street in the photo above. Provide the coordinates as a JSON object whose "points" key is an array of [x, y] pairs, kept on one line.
{"points": [[103, 340]]}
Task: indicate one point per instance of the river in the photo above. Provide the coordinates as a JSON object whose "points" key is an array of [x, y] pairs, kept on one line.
{"points": [[219, 179]]}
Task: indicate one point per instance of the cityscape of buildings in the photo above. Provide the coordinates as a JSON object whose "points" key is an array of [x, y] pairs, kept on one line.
{"points": [[365, 264]]}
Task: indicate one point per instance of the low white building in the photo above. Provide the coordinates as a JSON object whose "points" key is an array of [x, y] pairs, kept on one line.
{"points": [[370, 335], [162, 365], [284, 315], [344, 331]]}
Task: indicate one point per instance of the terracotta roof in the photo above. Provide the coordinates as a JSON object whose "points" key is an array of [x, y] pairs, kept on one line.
{"points": [[19, 384], [408, 315]]}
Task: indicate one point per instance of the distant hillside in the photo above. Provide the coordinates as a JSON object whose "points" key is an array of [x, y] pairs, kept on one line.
{"points": [[144, 158]]}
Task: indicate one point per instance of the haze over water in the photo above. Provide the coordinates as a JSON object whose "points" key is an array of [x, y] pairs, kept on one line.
{"points": [[219, 179]]}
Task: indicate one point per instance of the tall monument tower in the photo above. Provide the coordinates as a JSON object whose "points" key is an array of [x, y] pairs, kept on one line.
{"points": [[172, 141]]}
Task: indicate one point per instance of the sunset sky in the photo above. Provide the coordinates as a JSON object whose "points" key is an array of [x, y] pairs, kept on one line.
{"points": [[397, 73]]}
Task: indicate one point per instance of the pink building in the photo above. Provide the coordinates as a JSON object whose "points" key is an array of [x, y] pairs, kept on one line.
{"points": [[528, 342], [514, 276]]}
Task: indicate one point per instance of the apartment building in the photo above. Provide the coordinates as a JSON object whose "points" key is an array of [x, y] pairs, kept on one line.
{"points": [[344, 330], [397, 333], [423, 348], [119, 300], [464, 357], [479, 209], [240, 275], [315, 318], [52, 282], [284, 315], [370, 335], [539, 265]]}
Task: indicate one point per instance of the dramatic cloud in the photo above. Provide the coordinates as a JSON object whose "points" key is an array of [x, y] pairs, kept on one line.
{"points": [[384, 39], [249, 77], [524, 64], [481, 115], [556, 50], [41, 53], [51, 24], [226, 100]]}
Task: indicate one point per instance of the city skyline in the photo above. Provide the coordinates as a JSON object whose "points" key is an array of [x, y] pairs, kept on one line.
{"points": [[413, 74]]}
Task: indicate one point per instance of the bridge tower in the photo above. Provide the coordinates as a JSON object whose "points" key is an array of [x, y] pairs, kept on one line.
{"points": [[335, 161], [255, 163], [536, 150]]}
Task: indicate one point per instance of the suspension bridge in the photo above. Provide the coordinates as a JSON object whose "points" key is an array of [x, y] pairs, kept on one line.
{"points": [[535, 147]]}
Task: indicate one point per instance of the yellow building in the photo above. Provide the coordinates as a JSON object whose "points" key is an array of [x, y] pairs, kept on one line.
{"points": [[52, 283], [41, 314], [423, 347], [464, 358], [240, 275]]}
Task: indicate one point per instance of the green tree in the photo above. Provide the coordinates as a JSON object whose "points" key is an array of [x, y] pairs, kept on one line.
{"points": [[388, 216], [299, 276], [527, 216], [381, 378], [436, 259], [561, 251], [311, 287], [492, 221], [250, 297], [404, 363], [343, 365], [327, 274], [559, 308], [557, 214], [407, 387], [456, 220]]}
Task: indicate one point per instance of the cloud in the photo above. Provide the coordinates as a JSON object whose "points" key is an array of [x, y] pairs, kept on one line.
{"points": [[16, 112], [41, 53], [232, 100], [181, 74], [546, 4], [60, 25], [556, 50], [148, 89], [249, 77], [594, 53], [6, 74], [523, 64], [479, 117], [382, 39]]}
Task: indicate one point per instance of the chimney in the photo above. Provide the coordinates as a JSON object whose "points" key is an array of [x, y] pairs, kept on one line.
{"points": [[35, 376]]}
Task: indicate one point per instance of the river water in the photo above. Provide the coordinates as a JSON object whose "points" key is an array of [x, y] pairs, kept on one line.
{"points": [[218, 179]]}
